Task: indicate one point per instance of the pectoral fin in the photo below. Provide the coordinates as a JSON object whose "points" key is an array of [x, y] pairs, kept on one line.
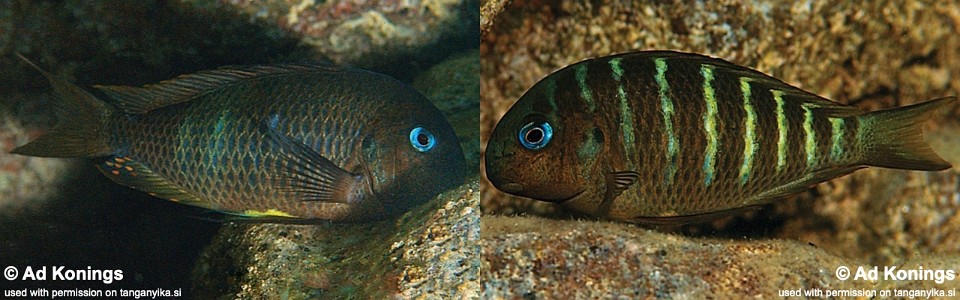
{"points": [[304, 173], [617, 182]]}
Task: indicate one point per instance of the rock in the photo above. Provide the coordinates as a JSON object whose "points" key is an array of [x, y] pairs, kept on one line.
{"points": [[365, 33], [23, 179], [139, 42], [431, 252], [539, 258], [489, 10], [129, 42]]}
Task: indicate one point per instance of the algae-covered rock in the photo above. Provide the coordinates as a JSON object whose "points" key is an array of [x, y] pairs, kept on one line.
{"points": [[128, 42], [139, 42], [23, 179], [537, 258], [431, 252], [489, 10], [366, 32]]}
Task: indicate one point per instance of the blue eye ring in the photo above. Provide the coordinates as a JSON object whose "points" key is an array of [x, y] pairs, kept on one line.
{"points": [[535, 135], [422, 139]]}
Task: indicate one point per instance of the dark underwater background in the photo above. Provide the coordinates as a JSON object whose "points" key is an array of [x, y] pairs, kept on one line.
{"points": [[63, 212]]}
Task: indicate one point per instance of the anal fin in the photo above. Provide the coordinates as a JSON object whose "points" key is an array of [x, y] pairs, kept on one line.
{"points": [[134, 174], [801, 184]]}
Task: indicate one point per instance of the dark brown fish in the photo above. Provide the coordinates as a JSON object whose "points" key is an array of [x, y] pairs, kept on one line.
{"points": [[665, 136], [284, 142]]}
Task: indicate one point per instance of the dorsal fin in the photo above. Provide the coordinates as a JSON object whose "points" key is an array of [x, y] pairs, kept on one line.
{"points": [[139, 100], [791, 93]]}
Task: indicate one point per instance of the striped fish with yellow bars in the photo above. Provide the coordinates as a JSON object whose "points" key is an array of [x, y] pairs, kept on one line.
{"points": [[279, 143], [671, 137]]}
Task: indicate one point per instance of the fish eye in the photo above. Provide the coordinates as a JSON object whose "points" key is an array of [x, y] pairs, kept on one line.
{"points": [[422, 139], [535, 135]]}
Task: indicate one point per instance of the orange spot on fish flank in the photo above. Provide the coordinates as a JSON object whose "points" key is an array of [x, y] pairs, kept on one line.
{"points": [[174, 200], [134, 174], [152, 194], [111, 164], [115, 172], [129, 168], [119, 160]]}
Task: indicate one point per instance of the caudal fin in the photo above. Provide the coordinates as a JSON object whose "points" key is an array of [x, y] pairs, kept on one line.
{"points": [[893, 138], [80, 133]]}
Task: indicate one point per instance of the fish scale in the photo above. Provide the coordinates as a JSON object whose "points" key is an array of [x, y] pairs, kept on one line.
{"points": [[297, 142], [666, 136]]}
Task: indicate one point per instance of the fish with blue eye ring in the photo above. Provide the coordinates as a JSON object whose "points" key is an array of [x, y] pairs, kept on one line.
{"points": [[669, 137], [293, 143]]}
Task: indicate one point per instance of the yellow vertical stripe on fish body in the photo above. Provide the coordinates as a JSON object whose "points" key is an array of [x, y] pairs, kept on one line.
{"points": [[836, 149], [709, 124], [219, 139], [810, 134], [673, 145], [781, 130], [551, 90], [749, 136], [585, 92], [626, 115]]}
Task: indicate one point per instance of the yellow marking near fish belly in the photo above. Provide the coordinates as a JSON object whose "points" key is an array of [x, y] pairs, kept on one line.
{"points": [[268, 213]]}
